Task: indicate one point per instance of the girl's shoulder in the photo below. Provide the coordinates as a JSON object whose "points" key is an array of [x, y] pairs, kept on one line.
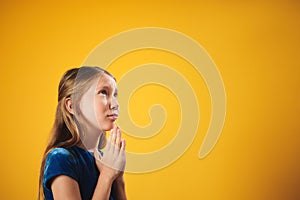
{"points": [[60, 153], [60, 161], [73, 153], [60, 150]]}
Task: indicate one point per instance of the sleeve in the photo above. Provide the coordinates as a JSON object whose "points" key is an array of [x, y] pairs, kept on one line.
{"points": [[59, 161]]}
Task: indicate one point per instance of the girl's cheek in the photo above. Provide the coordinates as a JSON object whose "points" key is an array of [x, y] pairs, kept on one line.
{"points": [[101, 102]]}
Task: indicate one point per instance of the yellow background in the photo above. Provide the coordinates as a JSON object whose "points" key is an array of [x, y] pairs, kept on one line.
{"points": [[255, 45]]}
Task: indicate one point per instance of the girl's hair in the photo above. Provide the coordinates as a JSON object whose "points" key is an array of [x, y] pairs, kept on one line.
{"points": [[67, 129]]}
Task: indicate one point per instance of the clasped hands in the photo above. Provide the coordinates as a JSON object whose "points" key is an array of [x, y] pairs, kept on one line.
{"points": [[113, 161]]}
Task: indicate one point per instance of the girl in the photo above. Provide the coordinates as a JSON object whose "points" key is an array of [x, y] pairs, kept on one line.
{"points": [[72, 167]]}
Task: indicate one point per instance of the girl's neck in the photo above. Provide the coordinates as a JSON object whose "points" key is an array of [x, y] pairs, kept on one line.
{"points": [[90, 140]]}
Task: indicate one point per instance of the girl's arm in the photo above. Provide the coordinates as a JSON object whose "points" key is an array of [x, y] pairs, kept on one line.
{"points": [[119, 188], [103, 188], [65, 188]]}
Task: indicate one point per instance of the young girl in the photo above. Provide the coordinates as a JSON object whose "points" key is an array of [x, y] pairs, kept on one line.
{"points": [[72, 166]]}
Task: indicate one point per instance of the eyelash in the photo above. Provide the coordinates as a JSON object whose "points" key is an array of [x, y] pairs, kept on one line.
{"points": [[105, 92]]}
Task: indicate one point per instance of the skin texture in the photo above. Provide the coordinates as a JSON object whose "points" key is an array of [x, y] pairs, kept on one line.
{"points": [[100, 108], [103, 96]]}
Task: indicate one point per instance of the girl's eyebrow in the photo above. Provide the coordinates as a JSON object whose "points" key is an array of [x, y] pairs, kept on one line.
{"points": [[104, 87]]}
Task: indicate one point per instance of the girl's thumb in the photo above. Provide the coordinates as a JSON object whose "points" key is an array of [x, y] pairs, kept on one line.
{"points": [[97, 155]]}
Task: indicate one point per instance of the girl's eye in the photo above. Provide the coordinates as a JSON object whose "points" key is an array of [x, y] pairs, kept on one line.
{"points": [[115, 94], [104, 92]]}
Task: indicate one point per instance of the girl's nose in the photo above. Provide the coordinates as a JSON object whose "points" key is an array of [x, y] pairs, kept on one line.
{"points": [[114, 104]]}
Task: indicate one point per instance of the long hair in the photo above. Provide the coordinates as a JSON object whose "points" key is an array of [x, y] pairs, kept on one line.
{"points": [[66, 130]]}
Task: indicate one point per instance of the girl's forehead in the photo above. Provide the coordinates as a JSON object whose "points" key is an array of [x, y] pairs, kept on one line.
{"points": [[107, 81]]}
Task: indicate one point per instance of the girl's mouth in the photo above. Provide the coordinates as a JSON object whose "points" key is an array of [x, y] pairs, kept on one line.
{"points": [[113, 116]]}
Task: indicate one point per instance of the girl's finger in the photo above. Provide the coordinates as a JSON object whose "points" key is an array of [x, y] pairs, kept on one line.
{"points": [[114, 135], [118, 140], [123, 144], [97, 155], [108, 142]]}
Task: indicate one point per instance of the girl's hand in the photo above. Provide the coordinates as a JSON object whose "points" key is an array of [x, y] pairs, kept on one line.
{"points": [[113, 162]]}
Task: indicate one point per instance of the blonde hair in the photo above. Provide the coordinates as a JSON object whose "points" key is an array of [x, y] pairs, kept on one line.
{"points": [[67, 129]]}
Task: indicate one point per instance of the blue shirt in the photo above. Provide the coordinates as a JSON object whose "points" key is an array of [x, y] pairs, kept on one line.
{"points": [[75, 162]]}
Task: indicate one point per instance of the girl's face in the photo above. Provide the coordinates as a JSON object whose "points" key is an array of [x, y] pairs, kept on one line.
{"points": [[99, 105]]}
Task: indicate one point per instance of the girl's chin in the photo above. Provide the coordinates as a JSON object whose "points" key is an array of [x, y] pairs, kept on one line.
{"points": [[108, 127]]}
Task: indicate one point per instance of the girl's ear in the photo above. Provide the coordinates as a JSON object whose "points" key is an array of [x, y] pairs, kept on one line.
{"points": [[68, 104]]}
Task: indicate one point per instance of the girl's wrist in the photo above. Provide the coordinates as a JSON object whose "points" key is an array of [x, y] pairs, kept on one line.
{"points": [[107, 178], [120, 180]]}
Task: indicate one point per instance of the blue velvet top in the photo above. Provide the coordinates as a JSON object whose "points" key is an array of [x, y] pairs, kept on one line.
{"points": [[75, 162]]}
